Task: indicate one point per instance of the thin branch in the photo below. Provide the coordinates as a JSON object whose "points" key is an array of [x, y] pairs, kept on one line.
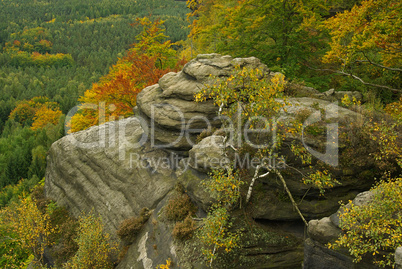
{"points": [[378, 65], [5, 238], [290, 196], [294, 168], [357, 78], [213, 253], [250, 187], [264, 175], [232, 147]]}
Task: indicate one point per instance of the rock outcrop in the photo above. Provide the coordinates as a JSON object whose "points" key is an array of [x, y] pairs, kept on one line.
{"points": [[332, 95], [169, 108], [325, 230], [106, 170], [118, 168]]}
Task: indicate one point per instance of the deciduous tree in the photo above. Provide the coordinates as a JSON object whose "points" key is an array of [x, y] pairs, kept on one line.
{"points": [[366, 43], [116, 93]]}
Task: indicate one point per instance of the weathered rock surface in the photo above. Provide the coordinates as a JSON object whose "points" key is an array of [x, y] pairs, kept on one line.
{"points": [[169, 107], [109, 170], [118, 168], [155, 244], [398, 258], [296, 105], [332, 95], [208, 154], [318, 256], [325, 230]]}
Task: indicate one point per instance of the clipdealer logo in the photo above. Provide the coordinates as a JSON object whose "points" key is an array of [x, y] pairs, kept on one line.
{"points": [[114, 134]]}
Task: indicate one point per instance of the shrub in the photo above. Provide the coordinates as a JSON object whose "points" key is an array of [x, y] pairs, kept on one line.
{"points": [[129, 228], [374, 229], [215, 233], [38, 196], [66, 228], [122, 254], [30, 229], [184, 229], [179, 208], [94, 249]]}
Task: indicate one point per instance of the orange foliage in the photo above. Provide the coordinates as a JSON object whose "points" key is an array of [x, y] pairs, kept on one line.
{"points": [[44, 116], [39, 110], [116, 93], [23, 112]]}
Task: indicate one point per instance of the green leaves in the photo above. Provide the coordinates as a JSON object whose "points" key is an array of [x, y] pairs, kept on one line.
{"points": [[365, 41], [215, 233], [375, 228], [225, 185], [94, 247], [250, 88]]}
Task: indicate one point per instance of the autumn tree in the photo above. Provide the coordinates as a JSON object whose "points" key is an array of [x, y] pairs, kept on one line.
{"points": [[366, 44], [115, 95], [282, 34], [373, 229], [94, 248], [251, 98], [31, 48], [37, 112], [153, 42], [30, 227]]}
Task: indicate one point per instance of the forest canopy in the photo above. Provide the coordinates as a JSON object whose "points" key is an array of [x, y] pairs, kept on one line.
{"points": [[56, 55], [50, 56]]}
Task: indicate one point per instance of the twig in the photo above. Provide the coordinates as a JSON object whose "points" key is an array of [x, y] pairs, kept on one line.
{"points": [[250, 187], [213, 252], [290, 196], [357, 78], [379, 65]]}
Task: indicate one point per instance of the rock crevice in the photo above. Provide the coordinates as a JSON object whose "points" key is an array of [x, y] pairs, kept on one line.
{"points": [[118, 168]]}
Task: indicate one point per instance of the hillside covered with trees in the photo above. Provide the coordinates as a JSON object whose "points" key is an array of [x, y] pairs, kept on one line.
{"points": [[97, 55]]}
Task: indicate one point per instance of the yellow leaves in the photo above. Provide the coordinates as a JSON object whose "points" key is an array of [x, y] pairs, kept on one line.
{"points": [[249, 88], [225, 183], [39, 110], [388, 138], [395, 109], [347, 102], [144, 65], [321, 180], [44, 116], [375, 227], [299, 151], [367, 29], [214, 233], [94, 247], [32, 228], [165, 266]]}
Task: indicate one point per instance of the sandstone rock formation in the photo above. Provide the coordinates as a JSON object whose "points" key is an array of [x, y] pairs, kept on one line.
{"points": [[106, 169], [325, 230], [332, 95], [169, 107], [118, 168]]}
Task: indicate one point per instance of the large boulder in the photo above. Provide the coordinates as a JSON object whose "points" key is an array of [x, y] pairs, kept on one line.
{"points": [[118, 168], [169, 108], [209, 154], [109, 170], [325, 230]]}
